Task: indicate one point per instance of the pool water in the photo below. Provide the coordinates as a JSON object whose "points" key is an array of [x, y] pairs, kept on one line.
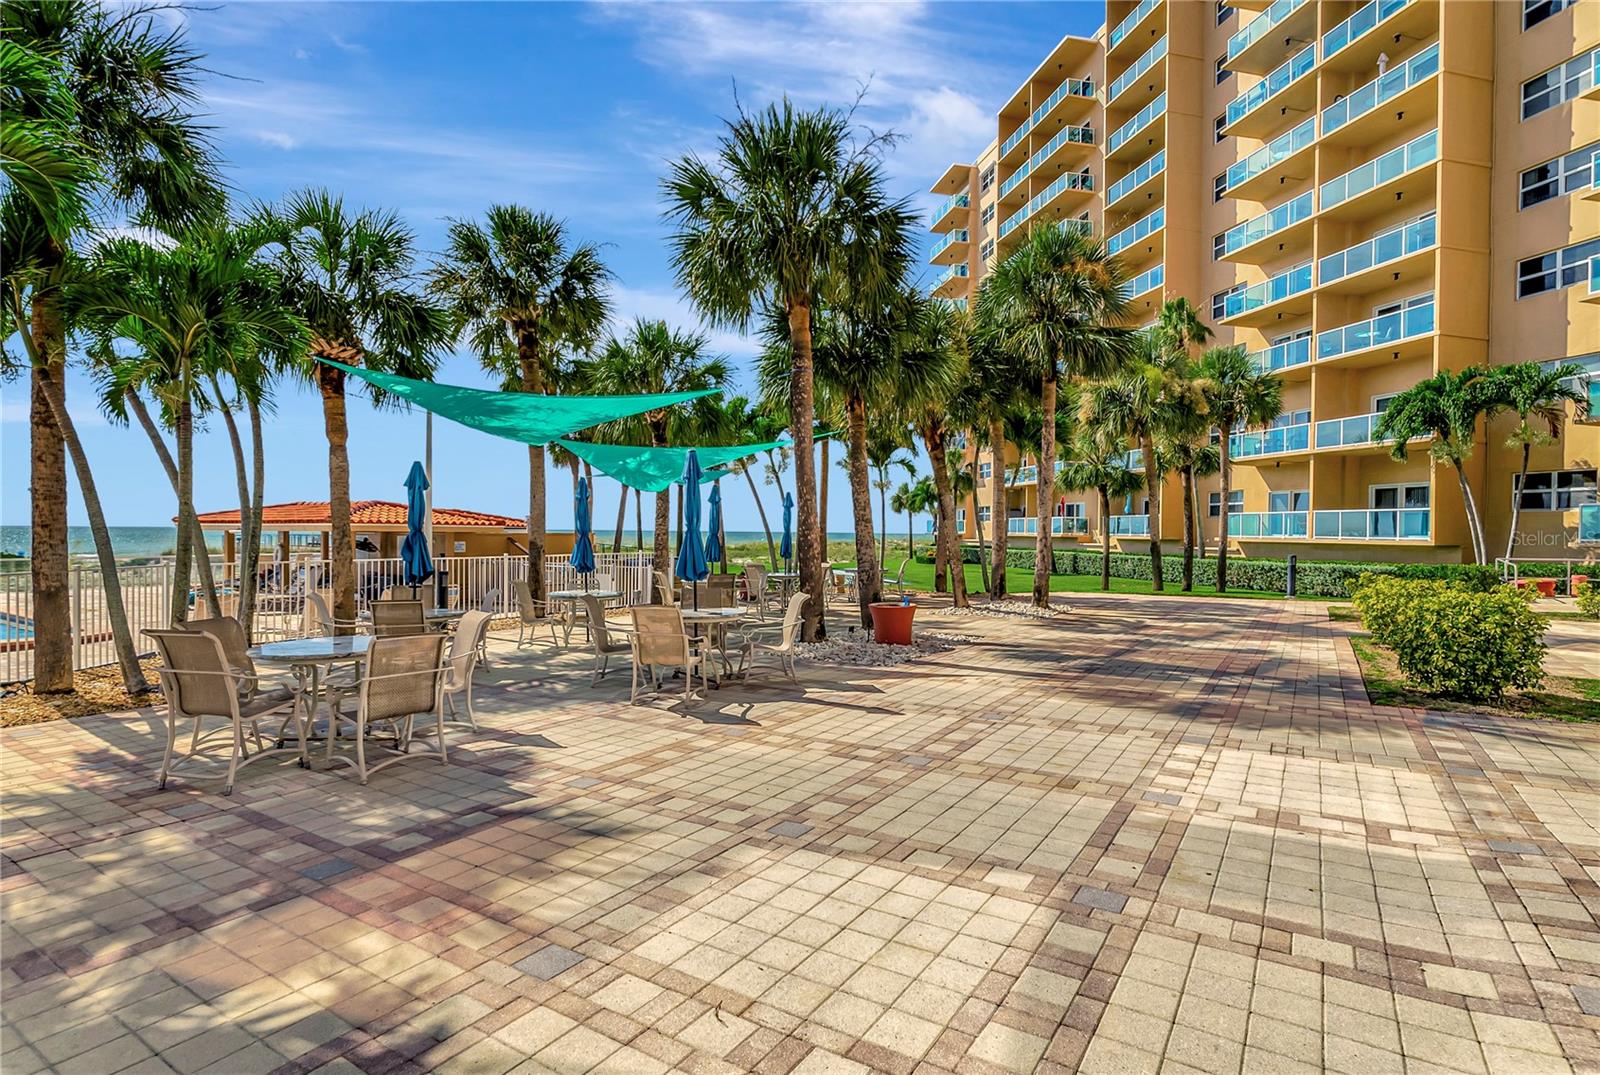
{"points": [[15, 628]]}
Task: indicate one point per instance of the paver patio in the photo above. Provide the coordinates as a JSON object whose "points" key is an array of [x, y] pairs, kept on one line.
{"points": [[1153, 834]]}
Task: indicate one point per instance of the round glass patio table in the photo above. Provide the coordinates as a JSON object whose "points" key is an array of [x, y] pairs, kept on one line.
{"points": [[306, 658], [572, 597], [715, 623]]}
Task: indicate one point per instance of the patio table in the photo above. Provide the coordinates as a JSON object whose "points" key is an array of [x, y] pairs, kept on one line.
{"points": [[715, 622], [572, 597], [306, 658]]}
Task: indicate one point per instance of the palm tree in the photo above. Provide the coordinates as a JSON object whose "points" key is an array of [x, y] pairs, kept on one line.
{"points": [[792, 213], [1239, 395], [920, 496], [109, 111], [1099, 461], [886, 445], [523, 294], [1538, 395], [987, 393], [1178, 327], [653, 358], [932, 346], [750, 425], [1057, 305], [1444, 408], [1190, 453]]}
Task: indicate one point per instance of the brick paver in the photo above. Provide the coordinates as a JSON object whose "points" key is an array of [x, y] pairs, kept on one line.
{"points": [[1154, 834]]}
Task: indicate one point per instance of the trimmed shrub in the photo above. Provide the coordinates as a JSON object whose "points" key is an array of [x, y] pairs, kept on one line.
{"points": [[1454, 640], [1588, 596], [1385, 602]]}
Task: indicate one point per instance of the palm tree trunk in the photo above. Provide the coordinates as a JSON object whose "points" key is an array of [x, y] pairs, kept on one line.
{"points": [[182, 572], [342, 546], [1474, 523], [977, 521], [622, 519], [998, 514], [242, 477], [194, 537], [869, 584], [1043, 555], [945, 520], [116, 612], [822, 493], [531, 374], [1105, 538], [677, 529], [1199, 517], [1516, 499], [801, 414], [638, 521], [252, 554], [661, 549], [1187, 476], [50, 560], [1226, 470], [1152, 482], [766, 527]]}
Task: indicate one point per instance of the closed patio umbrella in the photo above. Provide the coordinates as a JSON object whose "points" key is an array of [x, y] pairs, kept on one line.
{"points": [[786, 549], [691, 563], [714, 528], [582, 558], [416, 566]]}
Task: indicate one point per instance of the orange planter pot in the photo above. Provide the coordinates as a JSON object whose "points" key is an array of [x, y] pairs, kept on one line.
{"points": [[1547, 587], [1578, 582], [891, 622]]}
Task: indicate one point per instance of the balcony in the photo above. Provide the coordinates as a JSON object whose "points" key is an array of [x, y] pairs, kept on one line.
{"points": [[1270, 300], [1128, 525], [1137, 232], [1133, 459], [1060, 525], [1025, 476], [1592, 191], [1402, 175], [1073, 89], [1017, 138], [1122, 137], [1286, 88], [1139, 181], [1286, 157], [1258, 47], [1401, 252], [1148, 280], [1014, 183], [1124, 33], [1070, 181], [1268, 524], [1283, 356], [1592, 91], [1589, 524], [952, 282], [1594, 281], [1353, 432], [950, 248], [1378, 338], [1405, 89], [1066, 136], [1278, 440], [1386, 524], [1287, 225], [1135, 75], [952, 212]]}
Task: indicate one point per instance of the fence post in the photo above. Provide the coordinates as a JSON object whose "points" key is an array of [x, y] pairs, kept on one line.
{"points": [[77, 617]]}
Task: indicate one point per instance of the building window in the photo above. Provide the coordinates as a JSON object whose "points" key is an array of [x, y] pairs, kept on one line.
{"points": [[1222, 72], [1289, 500], [986, 214], [986, 250], [1224, 12], [1558, 85], [1219, 245], [1536, 11], [1216, 127], [1235, 503], [1556, 490], [986, 179], [983, 513], [1219, 301], [1073, 509], [1557, 269], [984, 470], [1558, 177], [1219, 186]]}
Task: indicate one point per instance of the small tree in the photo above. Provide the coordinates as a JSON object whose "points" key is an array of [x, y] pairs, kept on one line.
{"points": [[1538, 395], [1239, 395], [1099, 462]]}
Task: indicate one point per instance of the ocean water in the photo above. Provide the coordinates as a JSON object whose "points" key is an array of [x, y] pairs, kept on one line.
{"points": [[142, 541]]}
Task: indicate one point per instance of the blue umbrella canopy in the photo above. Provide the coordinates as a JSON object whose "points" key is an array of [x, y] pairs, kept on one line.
{"points": [[691, 563], [714, 526], [786, 549], [416, 566], [582, 558]]}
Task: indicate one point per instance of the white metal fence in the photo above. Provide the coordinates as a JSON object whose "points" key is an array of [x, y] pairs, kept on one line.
{"points": [[280, 606]]}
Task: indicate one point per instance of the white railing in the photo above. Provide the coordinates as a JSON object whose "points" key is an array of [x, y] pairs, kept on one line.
{"points": [[1134, 73], [1397, 242], [1272, 221], [1147, 280], [1072, 87], [1358, 24], [1377, 331], [1138, 177], [1274, 84], [1379, 524], [1285, 285], [1257, 27], [955, 201], [1129, 525], [1136, 231], [1267, 524], [146, 597], [1424, 65], [1083, 135], [1142, 119], [1420, 151], [1270, 155], [1348, 432], [1282, 356], [1059, 525], [1126, 26]]}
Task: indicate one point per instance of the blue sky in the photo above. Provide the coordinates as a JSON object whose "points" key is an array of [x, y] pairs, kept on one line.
{"points": [[439, 110]]}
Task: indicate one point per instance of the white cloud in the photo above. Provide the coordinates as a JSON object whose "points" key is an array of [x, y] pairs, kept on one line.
{"points": [[629, 303], [276, 138]]}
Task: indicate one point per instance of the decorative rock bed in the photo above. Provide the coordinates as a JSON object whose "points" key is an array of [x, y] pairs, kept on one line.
{"points": [[857, 648], [1007, 609]]}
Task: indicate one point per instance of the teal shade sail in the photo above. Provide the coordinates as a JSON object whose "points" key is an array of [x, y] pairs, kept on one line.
{"points": [[655, 469], [518, 416]]}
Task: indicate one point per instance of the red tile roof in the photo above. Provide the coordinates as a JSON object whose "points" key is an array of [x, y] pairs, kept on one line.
{"points": [[314, 514]]}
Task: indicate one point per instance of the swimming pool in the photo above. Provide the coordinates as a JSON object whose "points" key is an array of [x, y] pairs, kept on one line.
{"points": [[15, 628]]}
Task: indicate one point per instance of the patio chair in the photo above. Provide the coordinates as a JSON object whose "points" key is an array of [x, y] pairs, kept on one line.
{"points": [[490, 605], [532, 615], [229, 633], [319, 620], [197, 682], [827, 574], [777, 641], [900, 578], [600, 637], [755, 587], [398, 619], [466, 648], [659, 641], [402, 678], [719, 592], [664, 587]]}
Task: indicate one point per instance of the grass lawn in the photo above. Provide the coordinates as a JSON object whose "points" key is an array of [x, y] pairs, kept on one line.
{"points": [[1561, 698], [919, 576]]}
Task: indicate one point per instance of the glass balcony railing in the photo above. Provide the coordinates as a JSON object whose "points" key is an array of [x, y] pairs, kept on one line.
{"points": [[1015, 177], [1147, 280], [1072, 87], [1268, 524], [1259, 26], [1067, 181], [1392, 524], [1386, 246], [1594, 276], [1133, 233], [1025, 476], [1422, 66], [1347, 432], [1279, 149], [1414, 154], [1358, 24], [1138, 177], [1282, 356], [1272, 85], [1133, 459], [1129, 525], [1376, 332], [955, 272], [959, 201], [1271, 441], [1016, 136], [1125, 27], [1286, 284], [1146, 116], [1083, 135], [1255, 229], [959, 235], [1059, 524], [1140, 66], [1589, 524]]}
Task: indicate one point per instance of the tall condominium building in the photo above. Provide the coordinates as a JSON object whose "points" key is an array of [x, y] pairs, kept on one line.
{"points": [[1361, 194]]}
